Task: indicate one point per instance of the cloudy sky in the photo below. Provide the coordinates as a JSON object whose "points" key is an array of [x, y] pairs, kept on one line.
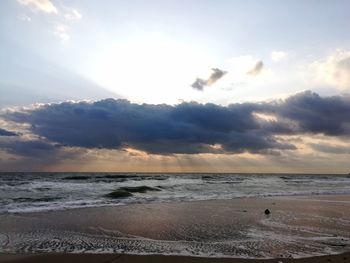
{"points": [[180, 86]]}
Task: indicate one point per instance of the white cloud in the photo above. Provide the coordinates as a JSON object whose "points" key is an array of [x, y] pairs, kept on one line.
{"points": [[61, 32], [24, 17], [333, 70], [278, 55], [45, 6], [73, 14], [241, 65]]}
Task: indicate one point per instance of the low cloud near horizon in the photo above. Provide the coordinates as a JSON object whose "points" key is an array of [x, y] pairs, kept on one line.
{"points": [[186, 128], [299, 133]]}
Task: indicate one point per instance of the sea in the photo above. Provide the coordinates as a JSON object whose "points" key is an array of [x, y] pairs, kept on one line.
{"points": [[31, 192]]}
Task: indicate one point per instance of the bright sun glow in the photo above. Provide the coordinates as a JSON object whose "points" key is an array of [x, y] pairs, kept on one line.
{"points": [[154, 69]]}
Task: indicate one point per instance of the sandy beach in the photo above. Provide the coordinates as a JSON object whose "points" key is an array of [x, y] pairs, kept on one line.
{"points": [[297, 227], [108, 258]]}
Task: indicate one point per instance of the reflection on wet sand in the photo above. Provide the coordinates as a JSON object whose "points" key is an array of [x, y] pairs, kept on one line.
{"points": [[295, 227]]}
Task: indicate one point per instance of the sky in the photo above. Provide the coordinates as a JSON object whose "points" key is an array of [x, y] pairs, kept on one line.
{"points": [[175, 86]]}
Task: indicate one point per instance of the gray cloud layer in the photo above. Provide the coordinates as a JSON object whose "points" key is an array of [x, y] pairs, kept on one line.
{"points": [[33, 148], [187, 128], [217, 74], [4, 132], [329, 148]]}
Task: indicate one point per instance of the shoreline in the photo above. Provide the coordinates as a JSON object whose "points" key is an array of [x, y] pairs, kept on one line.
{"points": [[311, 197], [110, 258]]}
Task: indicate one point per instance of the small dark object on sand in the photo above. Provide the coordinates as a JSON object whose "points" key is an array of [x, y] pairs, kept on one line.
{"points": [[267, 212]]}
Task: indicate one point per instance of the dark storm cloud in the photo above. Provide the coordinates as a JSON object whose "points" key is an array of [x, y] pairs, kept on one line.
{"points": [[317, 115], [32, 148], [256, 70], [217, 74], [188, 128], [4, 132]]}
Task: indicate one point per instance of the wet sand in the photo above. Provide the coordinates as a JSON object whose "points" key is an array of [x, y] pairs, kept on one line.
{"points": [[297, 227], [119, 258]]}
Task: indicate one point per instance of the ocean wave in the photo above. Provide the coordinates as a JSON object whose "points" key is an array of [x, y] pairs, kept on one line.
{"points": [[27, 192], [127, 191]]}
